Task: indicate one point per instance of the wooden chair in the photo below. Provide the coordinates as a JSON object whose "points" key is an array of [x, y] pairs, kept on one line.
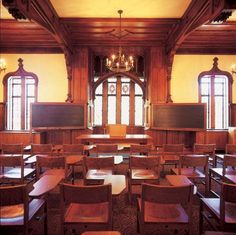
{"points": [[106, 149], [18, 213], [96, 168], [51, 165], [188, 166], [140, 149], [101, 233], [165, 208], [143, 169], [85, 208], [218, 174], [206, 149], [116, 129], [13, 170], [170, 154], [229, 149], [222, 210], [73, 149], [43, 149], [12, 148]]}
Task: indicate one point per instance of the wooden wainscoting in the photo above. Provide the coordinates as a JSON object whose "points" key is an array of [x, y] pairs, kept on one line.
{"points": [[24, 137], [218, 137]]}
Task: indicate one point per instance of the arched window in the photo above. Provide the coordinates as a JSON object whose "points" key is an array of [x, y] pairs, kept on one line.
{"points": [[20, 90], [119, 99], [215, 89]]}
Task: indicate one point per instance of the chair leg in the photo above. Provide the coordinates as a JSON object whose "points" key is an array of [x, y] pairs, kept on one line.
{"points": [[201, 219]]}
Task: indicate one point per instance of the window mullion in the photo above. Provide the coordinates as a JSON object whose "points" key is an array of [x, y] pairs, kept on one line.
{"points": [[118, 100], [23, 99], [132, 104], [105, 103], [213, 101]]}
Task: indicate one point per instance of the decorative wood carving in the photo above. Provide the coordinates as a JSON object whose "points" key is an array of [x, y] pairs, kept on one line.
{"points": [[45, 15], [198, 13]]}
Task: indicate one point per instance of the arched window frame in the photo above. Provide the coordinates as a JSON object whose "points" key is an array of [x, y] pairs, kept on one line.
{"points": [[134, 79], [215, 71], [20, 73]]}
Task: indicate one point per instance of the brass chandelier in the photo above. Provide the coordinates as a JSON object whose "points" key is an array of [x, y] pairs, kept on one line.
{"points": [[120, 62]]}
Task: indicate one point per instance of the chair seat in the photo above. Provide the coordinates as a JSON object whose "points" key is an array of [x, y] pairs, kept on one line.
{"points": [[189, 172], [13, 215], [214, 205], [164, 213], [89, 213], [143, 174], [15, 173], [219, 171], [98, 174]]}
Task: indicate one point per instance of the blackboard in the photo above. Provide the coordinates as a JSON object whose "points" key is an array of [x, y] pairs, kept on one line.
{"points": [[58, 116], [179, 116]]}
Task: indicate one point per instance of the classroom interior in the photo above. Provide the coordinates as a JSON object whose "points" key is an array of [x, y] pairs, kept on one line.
{"points": [[118, 117]]}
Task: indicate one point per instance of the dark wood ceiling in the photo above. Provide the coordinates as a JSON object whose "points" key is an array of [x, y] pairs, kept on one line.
{"points": [[30, 37]]}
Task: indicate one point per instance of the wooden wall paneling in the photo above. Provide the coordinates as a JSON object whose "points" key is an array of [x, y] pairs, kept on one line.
{"points": [[2, 116], [80, 75], [232, 121], [157, 86], [14, 137], [232, 135], [220, 138]]}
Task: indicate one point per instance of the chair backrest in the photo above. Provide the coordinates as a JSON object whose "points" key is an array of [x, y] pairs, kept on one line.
{"points": [[12, 148], [49, 162], [86, 195], [166, 195], [173, 148], [12, 161], [73, 149], [41, 149], [230, 149], [106, 149], [229, 160], [98, 163], [14, 195], [116, 129], [194, 160], [143, 149], [204, 148], [228, 194], [145, 162]]}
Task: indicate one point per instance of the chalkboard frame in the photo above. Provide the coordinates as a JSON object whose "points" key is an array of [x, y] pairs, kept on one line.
{"points": [[178, 128], [55, 104]]}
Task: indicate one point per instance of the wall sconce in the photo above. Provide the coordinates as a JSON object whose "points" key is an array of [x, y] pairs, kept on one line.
{"points": [[3, 65], [233, 69]]}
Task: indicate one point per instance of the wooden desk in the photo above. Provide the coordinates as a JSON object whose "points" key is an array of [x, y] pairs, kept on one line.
{"points": [[118, 183], [105, 138], [118, 159], [231, 178], [45, 184]]}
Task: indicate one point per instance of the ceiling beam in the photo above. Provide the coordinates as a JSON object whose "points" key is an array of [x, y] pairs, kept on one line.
{"points": [[198, 13], [43, 13]]}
